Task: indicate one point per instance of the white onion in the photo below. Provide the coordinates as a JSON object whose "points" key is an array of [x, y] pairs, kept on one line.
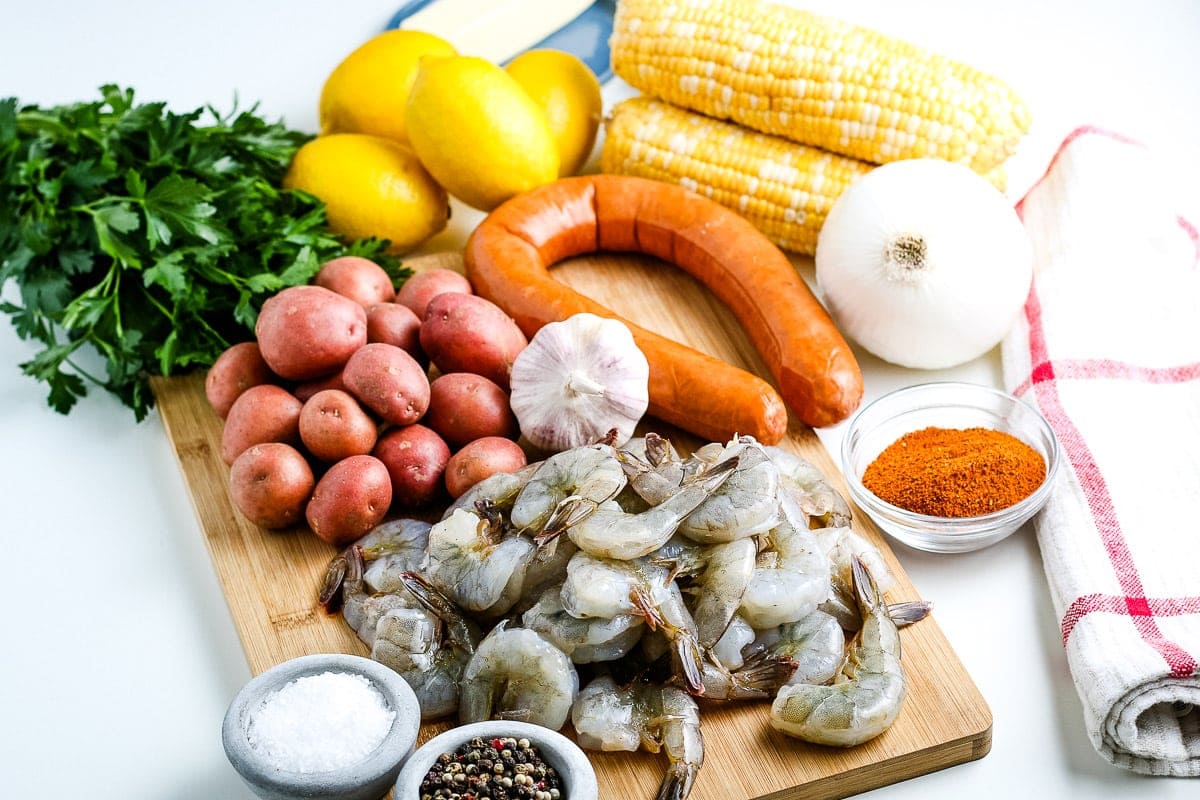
{"points": [[923, 263]]}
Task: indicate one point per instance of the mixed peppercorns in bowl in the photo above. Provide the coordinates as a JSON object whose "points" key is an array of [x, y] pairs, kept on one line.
{"points": [[499, 760], [949, 467]]}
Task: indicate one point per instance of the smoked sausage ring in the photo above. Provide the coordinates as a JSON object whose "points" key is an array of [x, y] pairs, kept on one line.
{"points": [[508, 259]]}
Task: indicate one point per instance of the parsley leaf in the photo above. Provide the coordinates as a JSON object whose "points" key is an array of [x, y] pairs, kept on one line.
{"points": [[150, 236]]}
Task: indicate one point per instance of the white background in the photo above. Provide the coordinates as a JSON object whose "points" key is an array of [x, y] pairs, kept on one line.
{"points": [[119, 655]]}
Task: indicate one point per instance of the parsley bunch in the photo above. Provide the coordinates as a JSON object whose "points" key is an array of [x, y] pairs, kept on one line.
{"points": [[152, 236]]}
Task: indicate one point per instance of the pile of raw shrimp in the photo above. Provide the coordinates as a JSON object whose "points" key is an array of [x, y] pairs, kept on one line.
{"points": [[732, 574]]}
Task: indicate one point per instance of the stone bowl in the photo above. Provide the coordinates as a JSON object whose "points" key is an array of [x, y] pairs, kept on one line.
{"points": [[368, 779], [578, 775]]}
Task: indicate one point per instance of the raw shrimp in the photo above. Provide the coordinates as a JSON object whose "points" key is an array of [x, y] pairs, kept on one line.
{"points": [[654, 469], [611, 532], [803, 484], [608, 717], [815, 643], [547, 568], [791, 578], [745, 505], [903, 613], [476, 564], [428, 646], [605, 588], [843, 544], [729, 649], [345, 588], [720, 576], [866, 695], [566, 488], [514, 673], [390, 549], [602, 587], [499, 490], [585, 640], [760, 676]]}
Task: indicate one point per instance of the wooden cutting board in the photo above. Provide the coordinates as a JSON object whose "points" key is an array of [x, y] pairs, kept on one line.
{"points": [[270, 582]]}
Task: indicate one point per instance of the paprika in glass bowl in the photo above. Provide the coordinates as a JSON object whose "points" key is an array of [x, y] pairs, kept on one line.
{"points": [[949, 467]]}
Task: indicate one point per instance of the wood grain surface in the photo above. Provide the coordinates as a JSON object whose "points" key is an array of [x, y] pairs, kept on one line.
{"points": [[270, 582]]}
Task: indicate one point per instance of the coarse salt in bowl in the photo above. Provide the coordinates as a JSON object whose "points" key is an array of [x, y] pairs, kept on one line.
{"points": [[945, 405], [330, 726]]}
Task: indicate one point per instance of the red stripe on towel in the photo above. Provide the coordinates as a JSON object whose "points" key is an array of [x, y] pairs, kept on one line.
{"points": [[1106, 369], [1087, 472], [1134, 607]]}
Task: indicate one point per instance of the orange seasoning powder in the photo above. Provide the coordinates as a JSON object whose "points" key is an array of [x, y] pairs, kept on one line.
{"points": [[948, 472]]}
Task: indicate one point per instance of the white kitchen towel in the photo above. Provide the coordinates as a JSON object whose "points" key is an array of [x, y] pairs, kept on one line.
{"points": [[1108, 349]]}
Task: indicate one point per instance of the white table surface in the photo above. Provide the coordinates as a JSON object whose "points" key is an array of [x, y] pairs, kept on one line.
{"points": [[119, 653]]}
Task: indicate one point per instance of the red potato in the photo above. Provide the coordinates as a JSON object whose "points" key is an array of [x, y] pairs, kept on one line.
{"points": [[265, 413], [465, 333], [334, 426], [351, 498], [464, 407], [304, 391], [416, 459], [235, 370], [480, 459], [388, 381], [417, 291], [394, 324], [270, 484], [359, 279], [307, 332]]}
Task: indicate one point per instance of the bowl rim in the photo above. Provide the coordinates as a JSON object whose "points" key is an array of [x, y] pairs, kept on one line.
{"points": [[984, 522], [576, 769], [388, 755]]}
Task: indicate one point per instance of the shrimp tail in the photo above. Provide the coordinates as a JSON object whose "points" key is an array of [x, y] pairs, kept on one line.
{"points": [[689, 659], [345, 568], [677, 782], [458, 628], [516, 714], [644, 607], [570, 511], [712, 478], [762, 673], [865, 588], [909, 611], [687, 564], [491, 520], [658, 450], [330, 596]]}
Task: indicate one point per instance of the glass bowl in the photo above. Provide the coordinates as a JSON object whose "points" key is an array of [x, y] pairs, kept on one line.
{"points": [[945, 405]]}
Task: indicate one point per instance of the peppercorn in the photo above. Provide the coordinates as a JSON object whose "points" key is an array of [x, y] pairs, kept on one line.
{"points": [[499, 769]]}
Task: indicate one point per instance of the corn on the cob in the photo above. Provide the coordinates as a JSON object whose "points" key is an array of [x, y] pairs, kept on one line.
{"points": [[785, 189], [815, 80]]}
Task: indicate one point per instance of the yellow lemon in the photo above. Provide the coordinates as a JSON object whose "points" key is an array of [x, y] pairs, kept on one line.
{"points": [[366, 92], [477, 131], [371, 186], [569, 95]]}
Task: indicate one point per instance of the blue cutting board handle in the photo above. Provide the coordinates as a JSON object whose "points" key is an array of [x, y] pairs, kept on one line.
{"points": [[586, 36]]}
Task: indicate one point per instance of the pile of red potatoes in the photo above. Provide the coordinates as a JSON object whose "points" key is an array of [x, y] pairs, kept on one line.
{"points": [[331, 416]]}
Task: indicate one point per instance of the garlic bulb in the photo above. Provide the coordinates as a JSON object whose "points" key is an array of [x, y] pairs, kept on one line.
{"points": [[578, 379], [924, 263]]}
